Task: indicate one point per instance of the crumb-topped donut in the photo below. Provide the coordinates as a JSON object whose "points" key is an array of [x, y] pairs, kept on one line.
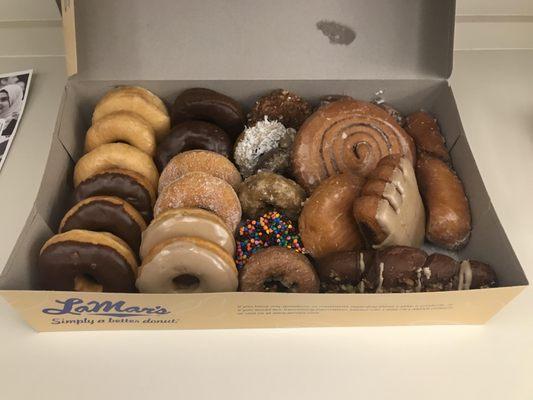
{"points": [[201, 190], [139, 101], [255, 146], [106, 214], [281, 105], [200, 161], [121, 126], [87, 261], [187, 222], [207, 105], [127, 185], [278, 269], [115, 155], [271, 229], [266, 191], [192, 135], [187, 265]]}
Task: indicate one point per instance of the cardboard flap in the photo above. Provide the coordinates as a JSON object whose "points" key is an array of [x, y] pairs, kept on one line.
{"points": [[278, 39]]}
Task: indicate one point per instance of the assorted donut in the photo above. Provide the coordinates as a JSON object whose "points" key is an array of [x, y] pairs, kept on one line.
{"points": [[338, 196]]}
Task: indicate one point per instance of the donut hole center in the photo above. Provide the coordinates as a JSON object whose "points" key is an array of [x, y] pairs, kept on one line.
{"points": [[279, 285], [186, 283], [87, 283]]}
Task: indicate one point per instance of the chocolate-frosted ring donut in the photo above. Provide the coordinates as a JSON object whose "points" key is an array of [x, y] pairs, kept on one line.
{"points": [[277, 269], [192, 135], [87, 261]]}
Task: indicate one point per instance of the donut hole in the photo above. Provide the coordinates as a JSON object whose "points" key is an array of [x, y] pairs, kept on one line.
{"points": [[87, 283], [279, 285], [186, 283]]}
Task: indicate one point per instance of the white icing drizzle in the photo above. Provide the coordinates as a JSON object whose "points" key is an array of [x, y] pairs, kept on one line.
{"points": [[380, 282], [418, 286], [361, 287], [465, 276], [427, 272], [362, 266]]}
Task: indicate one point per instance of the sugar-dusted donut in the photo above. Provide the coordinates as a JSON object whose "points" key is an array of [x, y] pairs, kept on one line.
{"points": [[121, 126], [127, 185], [187, 222], [266, 191], [106, 214], [87, 261], [327, 224], [115, 155], [277, 269], [346, 136], [187, 265], [139, 101], [200, 161], [207, 105], [192, 135], [201, 190]]}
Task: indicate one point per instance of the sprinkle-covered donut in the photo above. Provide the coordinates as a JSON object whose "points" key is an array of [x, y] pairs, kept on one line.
{"points": [[187, 265], [278, 269], [192, 135], [87, 261], [271, 229], [121, 126], [200, 161], [106, 214], [127, 185], [201, 190], [115, 155], [187, 222], [139, 101], [266, 191]]}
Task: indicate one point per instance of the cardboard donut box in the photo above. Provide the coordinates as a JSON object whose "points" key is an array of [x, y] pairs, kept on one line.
{"points": [[313, 48]]}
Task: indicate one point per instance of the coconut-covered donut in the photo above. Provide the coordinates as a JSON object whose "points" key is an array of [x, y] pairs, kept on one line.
{"points": [[115, 155], [127, 185], [87, 261], [266, 145], [200, 161], [266, 191], [210, 106], [281, 105], [192, 135], [139, 101], [201, 190], [326, 223], [106, 214], [121, 126], [187, 265], [278, 269], [187, 222]]}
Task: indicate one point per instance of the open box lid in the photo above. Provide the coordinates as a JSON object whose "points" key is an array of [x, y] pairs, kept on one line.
{"points": [[247, 39]]}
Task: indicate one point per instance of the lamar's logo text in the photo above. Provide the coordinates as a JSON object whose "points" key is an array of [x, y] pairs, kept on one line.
{"points": [[75, 306]]}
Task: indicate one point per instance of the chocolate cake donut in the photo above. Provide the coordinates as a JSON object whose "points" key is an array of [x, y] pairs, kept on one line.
{"points": [[343, 272]]}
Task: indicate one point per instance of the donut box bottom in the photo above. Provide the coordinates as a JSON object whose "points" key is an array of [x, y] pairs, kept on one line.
{"points": [[60, 311]]}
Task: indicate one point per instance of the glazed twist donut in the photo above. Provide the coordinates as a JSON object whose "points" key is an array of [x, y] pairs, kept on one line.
{"points": [[346, 136]]}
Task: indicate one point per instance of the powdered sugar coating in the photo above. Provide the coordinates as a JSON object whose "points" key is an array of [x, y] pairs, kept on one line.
{"points": [[259, 139], [201, 190]]}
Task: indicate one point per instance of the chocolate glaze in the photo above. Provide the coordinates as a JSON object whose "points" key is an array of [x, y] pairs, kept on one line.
{"points": [[104, 216], [119, 185], [342, 272], [483, 276], [61, 262], [442, 272], [208, 105], [192, 135]]}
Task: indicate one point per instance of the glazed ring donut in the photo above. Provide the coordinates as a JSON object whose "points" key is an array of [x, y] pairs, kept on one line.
{"points": [[266, 191], [87, 261], [106, 214], [277, 269], [201, 190], [115, 155], [200, 161], [187, 265], [193, 135], [187, 222], [139, 101], [127, 185], [121, 126]]}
